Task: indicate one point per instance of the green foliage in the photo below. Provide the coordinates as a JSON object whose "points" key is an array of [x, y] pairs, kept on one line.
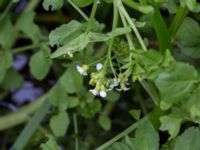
{"points": [[26, 24], [171, 123], [50, 144], [82, 3], [5, 63], [104, 122], [178, 84], [146, 137], [40, 63], [101, 70], [52, 5], [7, 33], [188, 140], [189, 41], [59, 123]]}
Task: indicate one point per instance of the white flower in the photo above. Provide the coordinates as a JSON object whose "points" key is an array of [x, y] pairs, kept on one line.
{"points": [[99, 66], [122, 89], [103, 94], [94, 92], [114, 84], [81, 70]]}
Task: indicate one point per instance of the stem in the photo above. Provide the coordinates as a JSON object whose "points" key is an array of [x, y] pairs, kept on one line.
{"points": [[162, 32], [91, 20], [79, 10], [9, 6], [178, 20], [76, 131], [118, 137], [32, 5], [123, 11], [128, 36], [22, 115], [28, 47], [151, 91]]}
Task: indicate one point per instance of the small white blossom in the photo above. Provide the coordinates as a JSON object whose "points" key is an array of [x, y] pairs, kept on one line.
{"points": [[114, 84], [81, 70], [94, 92], [99, 66], [123, 89], [103, 94]]}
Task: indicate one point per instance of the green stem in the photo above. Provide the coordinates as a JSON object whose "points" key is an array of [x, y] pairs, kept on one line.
{"points": [[76, 131], [161, 30], [15, 118], [118, 137], [32, 5], [79, 10], [178, 20], [31, 126], [128, 36], [151, 91], [9, 6], [28, 47], [91, 20], [129, 20]]}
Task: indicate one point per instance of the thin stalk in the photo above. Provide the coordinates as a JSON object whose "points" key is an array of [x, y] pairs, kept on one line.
{"points": [[178, 20], [151, 91], [22, 115], [79, 10], [129, 20], [76, 131], [91, 20], [9, 6], [114, 25], [31, 5], [28, 47], [118, 137], [128, 36]]}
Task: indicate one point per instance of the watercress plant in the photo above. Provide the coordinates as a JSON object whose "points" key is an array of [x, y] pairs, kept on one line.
{"points": [[137, 66]]}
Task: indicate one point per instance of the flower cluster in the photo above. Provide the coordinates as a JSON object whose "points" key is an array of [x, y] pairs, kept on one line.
{"points": [[101, 83]]}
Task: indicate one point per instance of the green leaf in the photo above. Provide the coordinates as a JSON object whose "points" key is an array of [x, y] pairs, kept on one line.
{"points": [[172, 124], [40, 63], [5, 63], [104, 122], [189, 140], [135, 113], [50, 144], [80, 42], [146, 137], [7, 33], [82, 3], [59, 123], [58, 97], [119, 146], [12, 80], [52, 5], [75, 45], [62, 34], [191, 4], [71, 80], [88, 110], [73, 101], [26, 24], [188, 37], [175, 85], [32, 125]]}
